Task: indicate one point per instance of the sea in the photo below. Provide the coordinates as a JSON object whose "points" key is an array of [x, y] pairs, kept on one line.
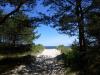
{"points": [[52, 47]]}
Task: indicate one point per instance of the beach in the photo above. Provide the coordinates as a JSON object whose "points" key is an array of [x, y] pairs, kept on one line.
{"points": [[50, 53]]}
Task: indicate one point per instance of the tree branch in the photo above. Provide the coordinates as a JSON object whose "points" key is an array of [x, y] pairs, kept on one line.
{"points": [[7, 16], [70, 2], [89, 8]]}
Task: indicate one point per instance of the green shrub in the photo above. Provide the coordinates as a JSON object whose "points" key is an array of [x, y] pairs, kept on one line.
{"points": [[70, 56], [37, 48], [15, 51], [63, 49]]}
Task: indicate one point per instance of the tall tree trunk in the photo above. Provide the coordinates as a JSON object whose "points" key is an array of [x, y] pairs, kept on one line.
{"points": [[80, 21], [13, 39]]}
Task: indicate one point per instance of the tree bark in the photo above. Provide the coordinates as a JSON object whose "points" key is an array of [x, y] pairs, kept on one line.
{"points": [[82, 44], [80, 21]]}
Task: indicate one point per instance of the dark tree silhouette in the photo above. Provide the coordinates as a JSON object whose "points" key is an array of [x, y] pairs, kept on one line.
{"points": [[70, 17], [18, 5]]}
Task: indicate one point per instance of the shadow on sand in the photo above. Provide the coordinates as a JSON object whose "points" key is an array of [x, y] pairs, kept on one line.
{"points": [[30, 65]]}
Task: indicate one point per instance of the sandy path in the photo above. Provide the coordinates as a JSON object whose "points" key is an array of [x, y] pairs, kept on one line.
{"points": [[50, 52]]}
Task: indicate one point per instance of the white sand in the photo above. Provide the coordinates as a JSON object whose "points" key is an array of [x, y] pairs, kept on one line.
{"points": [[50, 53]]}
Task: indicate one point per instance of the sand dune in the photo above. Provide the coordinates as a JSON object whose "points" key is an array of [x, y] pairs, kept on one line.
{"points": [[50, 53]]}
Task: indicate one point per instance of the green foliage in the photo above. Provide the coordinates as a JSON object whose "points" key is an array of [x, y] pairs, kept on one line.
{"points": [[37, 49], [14, 51], [93, 29], [15, 31], [93, 42], [16, 28], [82, 14], [17, 35], [18, 5], [70, 56], [63, 49]]}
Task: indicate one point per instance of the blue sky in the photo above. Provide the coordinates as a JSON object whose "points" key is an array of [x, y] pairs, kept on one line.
{"points": [[50, 37]]}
